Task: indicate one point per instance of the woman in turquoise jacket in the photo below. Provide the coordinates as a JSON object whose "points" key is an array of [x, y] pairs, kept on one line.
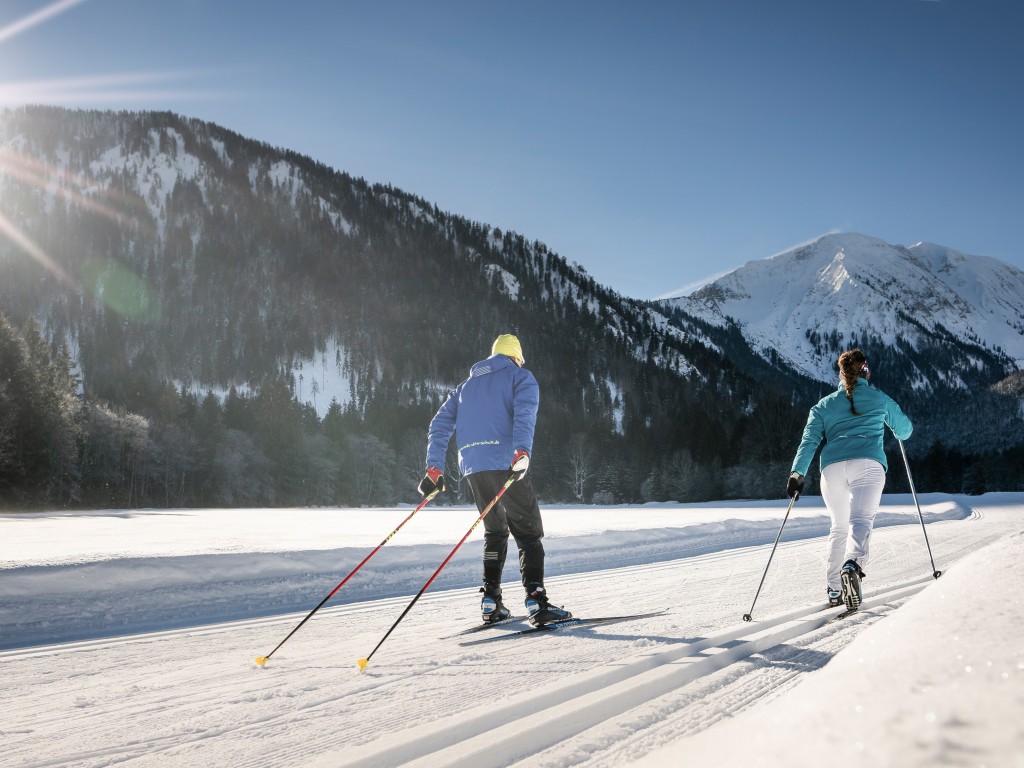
{"points": [[851, 422]]}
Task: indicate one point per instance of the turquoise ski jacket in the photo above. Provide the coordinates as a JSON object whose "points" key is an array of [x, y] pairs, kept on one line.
{"points": [[847, 436]]}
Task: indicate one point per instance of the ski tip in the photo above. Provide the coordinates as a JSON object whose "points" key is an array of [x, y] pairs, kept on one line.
{"points": [[362, 664], [261, 661], [747, 617]]}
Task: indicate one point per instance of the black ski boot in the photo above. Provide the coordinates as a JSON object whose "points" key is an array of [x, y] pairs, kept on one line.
{"points": [[540, 609], [491, 607], [851, 576], [835, 597]]}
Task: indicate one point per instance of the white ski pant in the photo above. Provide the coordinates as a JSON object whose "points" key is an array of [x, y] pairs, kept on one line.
{"points": [[852, 491]]}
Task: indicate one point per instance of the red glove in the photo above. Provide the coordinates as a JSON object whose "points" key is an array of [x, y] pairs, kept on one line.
{"points": [[520, 463], [433, 480]]}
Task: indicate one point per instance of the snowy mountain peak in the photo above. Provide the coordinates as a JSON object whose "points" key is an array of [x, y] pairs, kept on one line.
{"points": [[807, 303]]}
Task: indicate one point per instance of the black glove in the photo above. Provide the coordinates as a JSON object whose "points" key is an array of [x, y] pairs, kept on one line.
{"points": [[434, 479], [795, 486], [520, 463]]}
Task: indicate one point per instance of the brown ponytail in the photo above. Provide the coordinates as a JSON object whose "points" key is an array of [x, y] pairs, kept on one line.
{"points": [[853, 365]]}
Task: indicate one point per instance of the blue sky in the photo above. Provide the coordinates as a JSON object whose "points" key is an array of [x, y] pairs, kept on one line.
{"points": [[654, 143]]}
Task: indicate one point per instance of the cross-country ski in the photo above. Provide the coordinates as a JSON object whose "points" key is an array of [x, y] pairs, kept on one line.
{"points": [[560, 624], [486, 625]]}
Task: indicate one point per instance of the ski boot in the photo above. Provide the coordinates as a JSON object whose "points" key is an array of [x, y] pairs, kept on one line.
{"points": [[491, 608], [540, 609], [835, 597], [851, 576]]}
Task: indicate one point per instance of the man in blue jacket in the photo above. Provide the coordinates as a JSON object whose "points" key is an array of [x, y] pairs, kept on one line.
{"points": [[493, 414]]}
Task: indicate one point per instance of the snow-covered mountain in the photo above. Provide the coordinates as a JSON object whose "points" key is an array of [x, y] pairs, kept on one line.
{"points": [[808, 303]]}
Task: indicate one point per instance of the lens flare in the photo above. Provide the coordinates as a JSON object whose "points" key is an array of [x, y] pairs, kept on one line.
{"points": [[37, 18], [16, 236], [112, 282], [61, 183]]}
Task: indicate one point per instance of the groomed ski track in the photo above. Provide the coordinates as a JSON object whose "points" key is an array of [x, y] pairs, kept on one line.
{"points": [[588, 697]]}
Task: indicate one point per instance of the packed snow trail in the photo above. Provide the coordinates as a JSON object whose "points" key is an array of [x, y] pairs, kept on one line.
{"points": [[601, 696], [74, 576]]}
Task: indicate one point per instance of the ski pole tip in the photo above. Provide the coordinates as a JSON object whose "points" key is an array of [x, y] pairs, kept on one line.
{"points": [[747, 617], [362, 664], [261, 661], [937, 574]]}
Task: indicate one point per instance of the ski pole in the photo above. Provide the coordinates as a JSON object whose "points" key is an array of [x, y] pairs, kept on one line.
{"points": [[935, 572], [363, 662], [748, 616], [262, 660]]}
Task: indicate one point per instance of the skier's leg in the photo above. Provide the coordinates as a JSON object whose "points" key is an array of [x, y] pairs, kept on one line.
{"points": [[485, 487], [836, 493], [867, 478], [524, 520]]}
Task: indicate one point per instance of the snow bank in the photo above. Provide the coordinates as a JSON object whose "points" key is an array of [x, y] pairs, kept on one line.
{"points": [[76, 576], [939, 682], [65, 538]]}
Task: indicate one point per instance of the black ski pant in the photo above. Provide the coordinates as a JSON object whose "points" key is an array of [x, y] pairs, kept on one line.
{"points": [[517, 512]]}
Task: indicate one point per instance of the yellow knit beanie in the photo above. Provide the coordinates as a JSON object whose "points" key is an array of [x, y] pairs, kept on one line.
{"points": [[507, 344]]}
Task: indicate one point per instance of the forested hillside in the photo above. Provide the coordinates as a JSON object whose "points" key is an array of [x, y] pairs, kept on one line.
{"points": [[191, 317], [201, 280]]}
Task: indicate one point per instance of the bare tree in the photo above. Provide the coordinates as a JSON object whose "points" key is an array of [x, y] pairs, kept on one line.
{"points": [[315, 389], [411, 461], [682, 476], [581, 466], [371, 463], [454, 473]]}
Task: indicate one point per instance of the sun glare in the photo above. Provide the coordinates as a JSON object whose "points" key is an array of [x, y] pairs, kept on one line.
{"points": [[37, 18], [61, 183], [89, 89], [98, 89], [7, 229], [116, 285], [113, 283]]}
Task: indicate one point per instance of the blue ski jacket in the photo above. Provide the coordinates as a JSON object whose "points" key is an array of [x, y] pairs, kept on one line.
{"points": [[493, 414], [848, 436]]}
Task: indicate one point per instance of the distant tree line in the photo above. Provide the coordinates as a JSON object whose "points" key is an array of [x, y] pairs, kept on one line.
{"points": [[59, 449]]}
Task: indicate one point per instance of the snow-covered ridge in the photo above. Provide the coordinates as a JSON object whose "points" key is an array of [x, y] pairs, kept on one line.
{"points": [[156, 167], [853, 286]]}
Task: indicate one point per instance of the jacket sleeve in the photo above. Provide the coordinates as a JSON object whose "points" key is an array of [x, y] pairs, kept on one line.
{"points": [[897, 420], [440, 431], [814, 433], [525, 402]]}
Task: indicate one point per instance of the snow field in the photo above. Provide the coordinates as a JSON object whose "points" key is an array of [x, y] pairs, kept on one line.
{"points": [[605, 696], [941, 682]]}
